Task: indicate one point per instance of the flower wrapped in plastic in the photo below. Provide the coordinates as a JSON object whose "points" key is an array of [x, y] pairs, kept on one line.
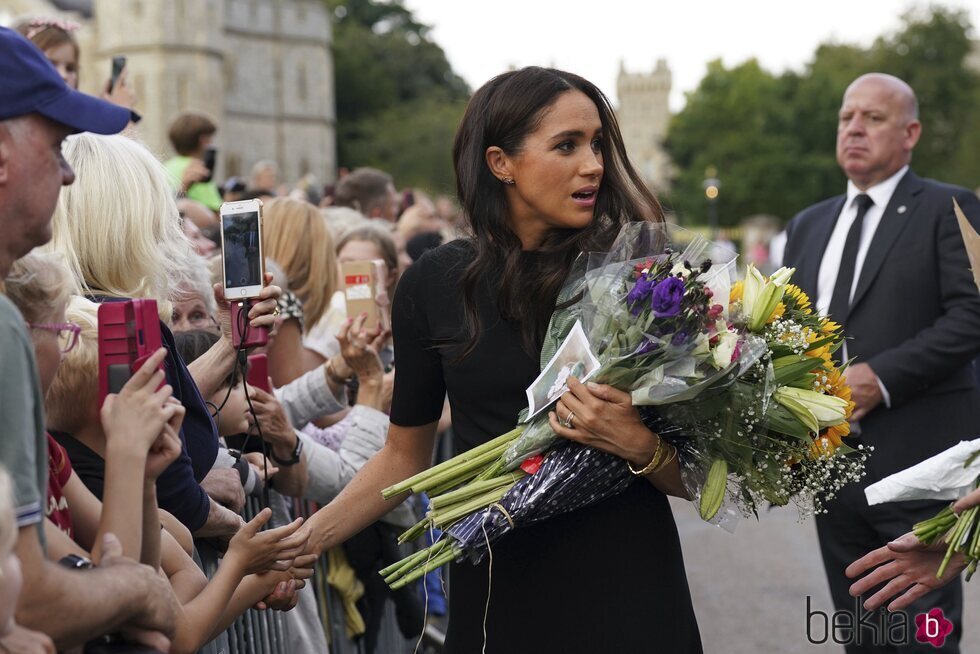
{"points": [[716, 377]]}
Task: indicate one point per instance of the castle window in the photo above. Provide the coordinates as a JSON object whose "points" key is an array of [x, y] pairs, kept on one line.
{"points": [[301, 90]]}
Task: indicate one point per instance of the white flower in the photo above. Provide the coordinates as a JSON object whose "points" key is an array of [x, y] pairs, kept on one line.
{"points": [[760, 296], [813, 409], [680, 269], [724, 349]]}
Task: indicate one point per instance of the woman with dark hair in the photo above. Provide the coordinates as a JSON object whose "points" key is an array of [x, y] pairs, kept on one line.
{"points": [[543, 176]]}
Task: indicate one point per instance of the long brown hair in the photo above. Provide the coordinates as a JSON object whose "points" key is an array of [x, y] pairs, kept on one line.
{"points": [[502, 113]]}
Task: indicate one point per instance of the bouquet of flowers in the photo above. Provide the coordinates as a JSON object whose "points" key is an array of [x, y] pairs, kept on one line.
{"points": [[740, 378]]}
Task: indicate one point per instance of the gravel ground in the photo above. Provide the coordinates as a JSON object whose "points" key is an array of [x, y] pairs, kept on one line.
{"points": [[750, 588]]}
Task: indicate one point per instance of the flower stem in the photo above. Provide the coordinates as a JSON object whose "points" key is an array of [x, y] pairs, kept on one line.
{"points": [[465, 508], [473, 489], [451, 464]]}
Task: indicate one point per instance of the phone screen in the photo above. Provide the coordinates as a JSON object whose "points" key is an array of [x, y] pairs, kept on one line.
{"points": [[243, 261]]}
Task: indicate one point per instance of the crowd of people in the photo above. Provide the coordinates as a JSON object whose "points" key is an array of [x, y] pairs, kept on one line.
{"points": [[104, 505]]}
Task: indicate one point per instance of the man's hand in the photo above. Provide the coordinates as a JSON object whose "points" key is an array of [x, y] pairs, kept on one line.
{"points": [[906, 565], [158, 608], [222, 523], [24, 641], [224, 485], [865, 390]]}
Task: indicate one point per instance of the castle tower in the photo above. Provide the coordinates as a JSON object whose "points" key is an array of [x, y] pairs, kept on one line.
{"points": [[643, 116], [262, 69]]}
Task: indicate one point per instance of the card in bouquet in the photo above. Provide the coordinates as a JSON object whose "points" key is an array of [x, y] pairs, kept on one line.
{"points": [[573, 359]]}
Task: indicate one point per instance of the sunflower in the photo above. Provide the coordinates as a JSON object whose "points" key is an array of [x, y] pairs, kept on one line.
{"points": [[828, 326], [736, 293], [777, 313], [800, 300]]}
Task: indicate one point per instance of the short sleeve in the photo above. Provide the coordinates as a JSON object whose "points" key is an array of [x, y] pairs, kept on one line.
{"points": [[59, 465], [420, 389], [23, 447]]}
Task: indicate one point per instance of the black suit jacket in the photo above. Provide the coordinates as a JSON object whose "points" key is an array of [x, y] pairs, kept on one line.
{"points": [[914, 318]]}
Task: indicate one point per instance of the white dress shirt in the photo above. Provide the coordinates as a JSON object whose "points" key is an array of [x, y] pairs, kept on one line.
{"points": [[880, 194]]}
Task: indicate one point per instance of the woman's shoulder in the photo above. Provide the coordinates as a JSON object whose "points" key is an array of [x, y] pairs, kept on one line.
{"points": [[448, 256]]}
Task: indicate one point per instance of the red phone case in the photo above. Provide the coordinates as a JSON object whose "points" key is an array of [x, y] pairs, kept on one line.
{"points": [[258, 372], [254, 336], [129, 333]]}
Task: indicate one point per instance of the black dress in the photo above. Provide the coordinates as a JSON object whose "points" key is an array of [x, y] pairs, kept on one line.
{"points": [[605, 579]]}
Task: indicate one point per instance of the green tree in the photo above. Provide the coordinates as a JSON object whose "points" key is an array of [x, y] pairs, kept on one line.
{"points": [[772, 139], [398, 99], [929, 52]]}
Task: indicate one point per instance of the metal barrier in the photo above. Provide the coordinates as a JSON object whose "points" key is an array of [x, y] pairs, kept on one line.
{"points": [[266, 632]]}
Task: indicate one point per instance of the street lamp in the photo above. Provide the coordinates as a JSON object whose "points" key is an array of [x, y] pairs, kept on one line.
{"points": [[712, 188]]}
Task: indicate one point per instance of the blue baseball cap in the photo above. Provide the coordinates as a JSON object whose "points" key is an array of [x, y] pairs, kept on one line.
{"points": [[30, 84]]}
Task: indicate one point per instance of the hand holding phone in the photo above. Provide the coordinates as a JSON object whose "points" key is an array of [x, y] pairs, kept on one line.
{"points": [[129, 334], [364, 292], [242, 258], [118, 66]]}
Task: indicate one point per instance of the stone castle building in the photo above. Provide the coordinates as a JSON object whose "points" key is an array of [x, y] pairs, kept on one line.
{"points": [[262, 69], [643, 117]]}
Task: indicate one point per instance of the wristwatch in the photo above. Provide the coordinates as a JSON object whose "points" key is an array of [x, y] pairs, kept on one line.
{"points": [[293, 458], [76, 562]]}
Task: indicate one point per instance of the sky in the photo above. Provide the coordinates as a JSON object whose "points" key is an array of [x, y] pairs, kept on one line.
{"points": [[591, 38]]}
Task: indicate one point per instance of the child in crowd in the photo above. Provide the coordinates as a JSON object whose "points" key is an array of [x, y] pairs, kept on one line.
{"points": [[12, 637]]}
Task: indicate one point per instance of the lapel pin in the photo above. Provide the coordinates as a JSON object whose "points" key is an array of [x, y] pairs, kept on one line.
{"points": [[901, 209]]}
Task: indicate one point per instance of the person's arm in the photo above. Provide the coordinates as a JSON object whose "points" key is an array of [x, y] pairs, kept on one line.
{"points": [[89, 603], [314, 394], [210, 370], [945, 346], [407, 451], [220, 522], [284, 441], [286, 353]]}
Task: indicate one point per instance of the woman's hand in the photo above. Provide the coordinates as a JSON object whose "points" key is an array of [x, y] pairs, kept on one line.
{"points": [[137, 414], [276, 428], [255, 552], [604, 418], [261, 314], [166, 448], [359, 349], [904, 564]]}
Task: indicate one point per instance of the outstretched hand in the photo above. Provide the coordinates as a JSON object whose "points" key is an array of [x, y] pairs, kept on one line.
{"points": [[273, 549], [906, 567]]}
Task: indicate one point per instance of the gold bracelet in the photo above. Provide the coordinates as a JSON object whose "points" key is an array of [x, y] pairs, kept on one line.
{"points": [[653, 462], [669, 458]]}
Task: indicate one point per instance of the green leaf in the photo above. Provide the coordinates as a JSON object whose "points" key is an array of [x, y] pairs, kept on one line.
{"points": [[789, 372], [783, 421]]}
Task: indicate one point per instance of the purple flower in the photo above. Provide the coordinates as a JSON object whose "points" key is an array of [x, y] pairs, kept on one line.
{"points": [[640, 292], [679, 338], [646, 347], [667, 296]]}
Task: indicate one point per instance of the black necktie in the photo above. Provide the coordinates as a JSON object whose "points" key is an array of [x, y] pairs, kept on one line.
{"points": [[840, 301]]}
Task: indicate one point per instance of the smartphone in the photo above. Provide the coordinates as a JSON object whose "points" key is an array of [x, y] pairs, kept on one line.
{"points": [[364, 291], [129, 333], [242, 260], [258, 372], [118, 64], [210, 157]]}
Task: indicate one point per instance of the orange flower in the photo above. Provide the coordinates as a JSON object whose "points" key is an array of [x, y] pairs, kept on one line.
{"points": [[800, 299]]}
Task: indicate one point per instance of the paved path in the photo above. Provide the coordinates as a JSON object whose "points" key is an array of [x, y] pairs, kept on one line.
{"points": [[750, 588]]}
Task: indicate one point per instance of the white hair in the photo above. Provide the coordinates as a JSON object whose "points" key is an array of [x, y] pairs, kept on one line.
{"points": [[118, 224]]}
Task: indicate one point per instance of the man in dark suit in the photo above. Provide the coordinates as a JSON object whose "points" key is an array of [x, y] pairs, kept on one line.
{"points": [[887, 261]]}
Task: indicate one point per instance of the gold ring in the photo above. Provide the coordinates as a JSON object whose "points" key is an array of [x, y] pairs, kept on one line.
{"points": [[275, 313], [567, 422]]}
